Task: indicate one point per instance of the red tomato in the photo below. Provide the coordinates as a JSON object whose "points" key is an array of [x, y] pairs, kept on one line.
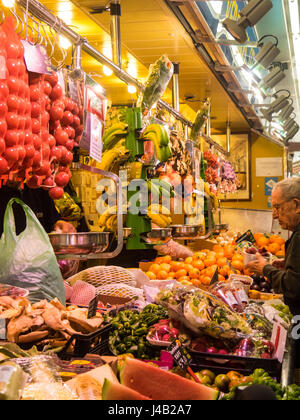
{"points": [[61, 136], [45, 150], [68, 118], [70, 145], [56, 113], [13, 102], [51, 78], [69, 103], [44, 168], [3, 109], [35, 109], [11, 138], [13, 49], [37, 159], [36, 126], [45, 119], [76, 121], [3, 128], [67, 159], [12, 66], [3, 166], [13, 84], [48, 183], [56, 193], [56, 153], [47, 88], [2, 145], [62, 179], [60, 103], [34, 93], [12, 121], [37, 141], [56, 93], [11, 154], [34, 182], [30, 151], [51, 141], [22, 153], [4, 91], [28, 138], [71, 132]]}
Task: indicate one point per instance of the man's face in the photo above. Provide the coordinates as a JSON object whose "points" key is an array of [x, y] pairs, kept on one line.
{"points": [[286, 212]]}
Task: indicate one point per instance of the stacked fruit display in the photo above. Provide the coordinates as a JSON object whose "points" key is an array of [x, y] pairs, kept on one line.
{"points": [[39, 125], [273, 244], [199, 269]]}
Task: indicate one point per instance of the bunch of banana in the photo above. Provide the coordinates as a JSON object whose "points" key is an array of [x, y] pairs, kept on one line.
{"points": [[113, 135], [114, 156], [108, 221], [161, 140], [214, 198], [159, 187], [159, 215]]}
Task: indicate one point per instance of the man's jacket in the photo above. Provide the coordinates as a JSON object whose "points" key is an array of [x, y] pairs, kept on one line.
{"points": [[287, 281]]}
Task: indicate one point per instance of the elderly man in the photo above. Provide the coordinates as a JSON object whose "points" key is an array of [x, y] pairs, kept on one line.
{"points": [[286, 208]]}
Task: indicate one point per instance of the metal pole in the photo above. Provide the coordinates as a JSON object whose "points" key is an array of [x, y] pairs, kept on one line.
{"points": [[175, 90], [228, 135], [115, 32], [78, 57]]}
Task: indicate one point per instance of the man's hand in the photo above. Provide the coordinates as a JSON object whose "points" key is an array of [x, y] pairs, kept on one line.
{"points": [[64, 227], [257, 267]]}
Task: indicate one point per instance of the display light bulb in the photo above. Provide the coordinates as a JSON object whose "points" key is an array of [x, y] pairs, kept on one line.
{"points": [[64, 42], [8, 3], [107, 71], [131, 89]]}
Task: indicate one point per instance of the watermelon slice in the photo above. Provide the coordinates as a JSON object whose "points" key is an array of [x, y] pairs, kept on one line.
{"points": [[158, 384], [112, 391]]}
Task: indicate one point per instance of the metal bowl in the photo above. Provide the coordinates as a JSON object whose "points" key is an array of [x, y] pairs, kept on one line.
{"points": [[79, 243], [158, 236], [221, 228], [186, 231], [126, 233]]}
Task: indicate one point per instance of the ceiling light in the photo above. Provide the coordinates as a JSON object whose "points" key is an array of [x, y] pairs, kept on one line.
{"points": [[289, 123], [131, 89], [276, 106], [292, 132], [268, 52], [286, 112], [272, 79], [8, 3], [107, 71], [249, 16]]}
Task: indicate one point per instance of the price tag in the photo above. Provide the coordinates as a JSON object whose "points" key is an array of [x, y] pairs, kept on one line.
{"points": [[215, 277], [246, 237], [93, 305], [36, 58], [279, 337], [181, 357], [2, 329]]}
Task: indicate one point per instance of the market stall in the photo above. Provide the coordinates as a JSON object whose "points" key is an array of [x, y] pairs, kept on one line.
{"points": [[142, 180]]}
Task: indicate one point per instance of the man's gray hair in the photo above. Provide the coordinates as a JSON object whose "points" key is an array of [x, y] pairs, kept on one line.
{"points": [[290, 188]]}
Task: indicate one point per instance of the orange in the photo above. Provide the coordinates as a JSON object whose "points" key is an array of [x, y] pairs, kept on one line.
{"points": [[238, 257], [194, 273], [199, 256], [238, 265], [154, 268], [175, 265], [171, 275], [189, 260], [159, 260], [184, 278], [180, 273], [167, 259], [222, 261], [208, 262], [221, 278], [220, 254], [283, 247], [280, 254], [224, 270], [196, 282], [151, 275], [263, 241], [188, 267], [199, 264], [162, 275], [165, 267], [206, 281], [274, 248], [218, 248]]}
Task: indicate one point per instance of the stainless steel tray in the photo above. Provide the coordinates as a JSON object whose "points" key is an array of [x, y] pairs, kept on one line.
{"points": [[186, 231], [221, 228], [79, 243]]}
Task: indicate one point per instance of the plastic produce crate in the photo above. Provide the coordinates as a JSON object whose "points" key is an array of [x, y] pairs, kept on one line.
{"points": [[226, 363]]}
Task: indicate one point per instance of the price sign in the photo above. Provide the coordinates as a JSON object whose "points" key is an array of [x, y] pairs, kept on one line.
{"points": [[215, 277], [93, 305], [246, 237], [36, 58]]}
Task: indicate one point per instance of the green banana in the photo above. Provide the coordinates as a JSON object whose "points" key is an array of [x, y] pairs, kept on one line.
{"points": [[113, 134], [159, 135]]}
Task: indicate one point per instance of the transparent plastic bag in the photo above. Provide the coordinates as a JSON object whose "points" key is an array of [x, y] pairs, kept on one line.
{"points": [[28, 260]]}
